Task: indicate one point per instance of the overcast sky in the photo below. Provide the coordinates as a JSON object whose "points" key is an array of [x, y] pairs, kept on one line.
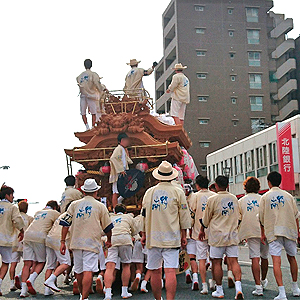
{"points": [[43, 46]]}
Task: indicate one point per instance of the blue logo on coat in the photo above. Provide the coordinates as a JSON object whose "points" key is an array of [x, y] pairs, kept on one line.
{"points": [[276, 201], [251, 204], [84, 212]]}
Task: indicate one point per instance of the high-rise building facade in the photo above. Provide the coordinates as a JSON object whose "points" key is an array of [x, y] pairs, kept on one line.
{"points": [[240, 66]]}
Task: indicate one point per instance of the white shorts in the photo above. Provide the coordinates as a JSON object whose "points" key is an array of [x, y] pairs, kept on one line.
{"points": [[34, 251], [229, 251], [115, 188], [257, 248], [54, 256], [138, 255], [124, 252], [6, 254], [158, 256], [102, 260], [177, 109], [191, 247], [85, 261], [202, 249], [85, 103], [16, 256], [275, 247]]}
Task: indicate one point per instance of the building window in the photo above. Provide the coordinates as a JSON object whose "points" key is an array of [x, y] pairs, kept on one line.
{"points": [[239, 168], [235, 123], [200, 53], [202, 98], [203, 121], [273, 153], [256, 103], [253, 36], [233, 100], [201, 76], [231, 33], [204, 144], [233, 77], [252, 14], [255, 81], [230, 11], [199, 8], [232, 55], [200, 30], [254, 59], [249, 159], [257, 124]]}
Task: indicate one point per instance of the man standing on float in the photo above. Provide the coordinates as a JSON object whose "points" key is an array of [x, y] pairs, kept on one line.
{"points": [[180, 93]]}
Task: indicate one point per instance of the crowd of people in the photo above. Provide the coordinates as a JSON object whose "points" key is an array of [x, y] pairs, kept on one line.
{"points": [[79, 236]]}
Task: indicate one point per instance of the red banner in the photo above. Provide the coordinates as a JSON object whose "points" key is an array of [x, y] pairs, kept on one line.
{"points": [[285, 155]]}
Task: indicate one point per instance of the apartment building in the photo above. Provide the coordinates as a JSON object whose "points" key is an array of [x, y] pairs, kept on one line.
{"points": [[240, 65]]}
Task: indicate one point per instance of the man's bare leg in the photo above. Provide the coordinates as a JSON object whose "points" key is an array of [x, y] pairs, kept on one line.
{"points": [[217, 270], [277, 270], [155, 279], [114, 200], [171, 283], [84, 118], [87, 281], [256, 270], [94, 120], [264, 268]]}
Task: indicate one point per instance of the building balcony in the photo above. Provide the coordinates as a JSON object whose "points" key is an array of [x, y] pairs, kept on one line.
{"points": [[288, 66], [169, 25], [287, 88], [283, 48], [282, 28], [291, 107], [162, 100]]}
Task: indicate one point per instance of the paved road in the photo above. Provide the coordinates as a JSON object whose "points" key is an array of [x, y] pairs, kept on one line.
{"points": [[183, 290]]}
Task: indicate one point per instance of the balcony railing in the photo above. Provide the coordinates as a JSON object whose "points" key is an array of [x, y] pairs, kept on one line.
{"points": [[283, 48], [282, 28]]}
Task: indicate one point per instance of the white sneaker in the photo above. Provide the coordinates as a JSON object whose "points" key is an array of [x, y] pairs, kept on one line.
{"points": [[195, 285], [204, 290], [239, 295], [126, 296], [87, 127], [264, 283], [258, 292], [24, 295], [212, 284], [218, 294], [48, 292], [144, 288], [279, 297], [296, 292], [51, 284], [13, 288]]}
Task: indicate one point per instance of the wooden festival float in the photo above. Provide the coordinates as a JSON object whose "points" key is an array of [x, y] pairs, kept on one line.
{"points": [[151, 142]]}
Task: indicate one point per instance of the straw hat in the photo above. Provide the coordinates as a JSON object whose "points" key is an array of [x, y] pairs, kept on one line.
{"points": [[90, 186], [133, 62], [165, 172], [179, 67]]}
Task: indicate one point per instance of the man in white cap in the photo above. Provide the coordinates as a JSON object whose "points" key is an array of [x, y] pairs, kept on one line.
{"points": [[90, 91], [88, 218], [134, 79], [166, 219], [180, 92]]}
